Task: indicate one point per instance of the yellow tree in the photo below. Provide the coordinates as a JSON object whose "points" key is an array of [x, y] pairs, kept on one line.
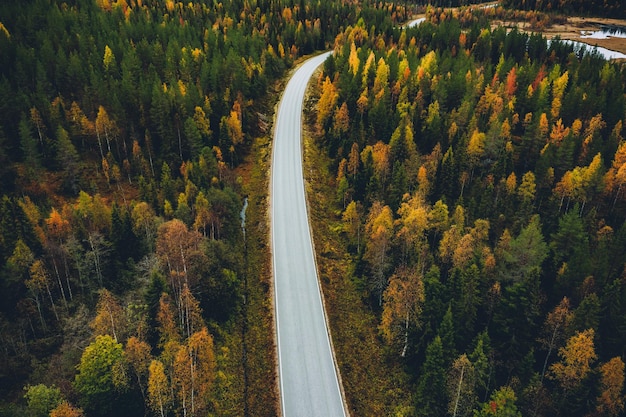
{"points": [[558, 88], [159, 391], [353, 222], [202, 209], [591, 133], [107, 127], [341, 120], [381, 156], [611, 400], [40, 280], [110, 317], [144, 222], [615, 177], [353, 59], [182, 381], [137, 354], [202, 360], [527, 188], [58, 230], [581, 183], [177, 246], [402, 306], [461, 387], [65, 409], [327, 102], [476, 148], [576, 359], [413, 223], [379, 229], [190, 315], [354, 160], [554, 329], [451, 237], [381, 80], [233, 125]]}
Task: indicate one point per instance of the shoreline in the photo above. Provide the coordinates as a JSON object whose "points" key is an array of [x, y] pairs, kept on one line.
{"points": [[574, 29]]}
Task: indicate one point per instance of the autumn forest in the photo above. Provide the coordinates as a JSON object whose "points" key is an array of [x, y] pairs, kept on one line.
{"points": [[478, 194]]}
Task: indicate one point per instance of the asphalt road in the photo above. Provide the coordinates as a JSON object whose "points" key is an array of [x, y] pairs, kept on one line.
{"points": [[308, 379]]}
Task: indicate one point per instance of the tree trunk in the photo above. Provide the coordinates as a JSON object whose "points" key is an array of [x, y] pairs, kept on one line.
{"points": [[56, 271], [406, 335], [458, 393], [54, 307], [550, 347]]}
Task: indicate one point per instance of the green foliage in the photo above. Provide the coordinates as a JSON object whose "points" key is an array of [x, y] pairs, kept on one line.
{"points": [[431, 387], [101, 375], [42, 399], [516, 135], [500, 404]]}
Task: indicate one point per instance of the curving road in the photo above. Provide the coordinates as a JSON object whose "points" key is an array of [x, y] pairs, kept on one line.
{"points": [[308, 379]]}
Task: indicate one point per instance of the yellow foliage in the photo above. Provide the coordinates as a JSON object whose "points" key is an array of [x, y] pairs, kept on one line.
{"points": [[576, 359], [4, 30]]}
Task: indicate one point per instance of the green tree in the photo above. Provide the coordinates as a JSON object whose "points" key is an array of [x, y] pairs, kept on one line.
{"points": [[431, 386], [501, 404], [524, 256], [101, 375], [42, 399]]}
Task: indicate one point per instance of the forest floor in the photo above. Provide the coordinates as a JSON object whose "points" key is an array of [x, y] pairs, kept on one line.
{"points": [[574, 28]]}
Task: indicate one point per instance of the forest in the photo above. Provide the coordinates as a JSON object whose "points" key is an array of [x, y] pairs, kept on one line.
{"points": [[478, 178], [609, 8], [123, 272]]}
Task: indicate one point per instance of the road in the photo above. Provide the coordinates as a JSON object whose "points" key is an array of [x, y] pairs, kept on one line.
{"points": [[308, 379]]}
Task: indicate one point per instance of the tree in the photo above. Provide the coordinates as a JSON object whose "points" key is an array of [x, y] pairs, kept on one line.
{"points": [[554, 328], [431, 386], [341, 120], [476, 148], [327, 102], [501, 404], [110, 317], [202, 209], [166, 318], [379, 229], [159, 392], [40, 280], [41, 399], [144, 222], [68, 159], [576, 359], [413, 224], [611, 399], [402, 307], [177, 247], [31, 155], [65, 409], [101, 375], [522, 258], [137, 354], [461, 391], [353, 223], [203, 364]]}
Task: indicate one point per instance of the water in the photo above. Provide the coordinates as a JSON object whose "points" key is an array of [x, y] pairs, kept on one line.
{"points": [[603, 52], [606, 32], [415, 22]]}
